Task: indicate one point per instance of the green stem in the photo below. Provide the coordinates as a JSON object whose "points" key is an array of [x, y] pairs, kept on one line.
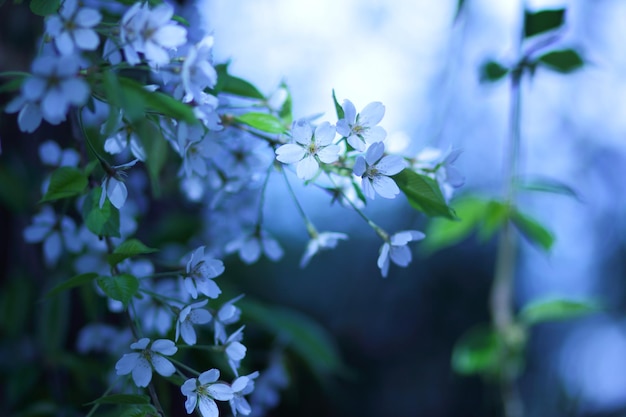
{"points": [[97, 405], [9, 74], [379, 230], [185, 367], [502, 291], [310, 227]]}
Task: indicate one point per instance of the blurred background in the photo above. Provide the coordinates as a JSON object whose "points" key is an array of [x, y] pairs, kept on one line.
{"points": [[421, 59]]}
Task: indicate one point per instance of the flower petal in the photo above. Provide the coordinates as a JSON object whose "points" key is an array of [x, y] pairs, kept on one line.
{"points": [[290, 153], [324, 134], [349, 111], [307, 168], [142, 372], [207, 407], [221, 392], [127, 363], [162, 365], [329, 154], [359, 166], [385, 187], [164, 347], [391, 164], [374, 152], [372, 114]]}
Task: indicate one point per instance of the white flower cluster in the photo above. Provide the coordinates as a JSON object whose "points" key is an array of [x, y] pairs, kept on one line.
{"points": [[188, 316], [132, 71]]}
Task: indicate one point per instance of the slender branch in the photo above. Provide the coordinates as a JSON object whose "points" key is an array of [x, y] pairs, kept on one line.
{"points": [[502, 291]]}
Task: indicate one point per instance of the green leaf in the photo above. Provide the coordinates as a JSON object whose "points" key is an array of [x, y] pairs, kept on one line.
{"points": [[180, 20], [423, 194], [156, 149], [44, 7], [564, 61], [262, 121], [65, 182], [286, 109], [460, 7], [129, 99], [128, 249], [442, 232], [156, 101], [226, 83], [547, 185], [338, 108], [477, 352], [554, 309], [306, 337], [536, 233], [75, 281], [140, 410], [103, 221], [542, 21], [120, 287], [13, 84], [128, 399], [494, 216], [492, 71], [474, 214]]}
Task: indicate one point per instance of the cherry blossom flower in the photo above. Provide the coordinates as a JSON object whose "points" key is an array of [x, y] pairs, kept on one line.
{"points": [[72, 28], [151, 33], [251, 246], [321, 241], [197, 73], [51, 154], [200, 272], [360, 129], [55, 233], [242, 386], [375, 170], [439, 165], [113, 186], [124, 136], [49, 92], [203, 391], [309, 148], [396, 250], [141, 363], [190, 315], [235, 350], [227, 314]]}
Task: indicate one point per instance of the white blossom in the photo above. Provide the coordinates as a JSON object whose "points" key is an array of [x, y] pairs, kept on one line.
{"points": [[235, 350], [242, 386], [113, 186], [375, 170], [54, 232], [203, 391], [142, 362], [151, 33], [396, 250], [48, 94], [309, 148], [321, 241], [188, 316], [227, 314], [72, 28], [197, 73], [51, 154], [360, 129], [123, 137], [200, 272], [251, 246]]}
